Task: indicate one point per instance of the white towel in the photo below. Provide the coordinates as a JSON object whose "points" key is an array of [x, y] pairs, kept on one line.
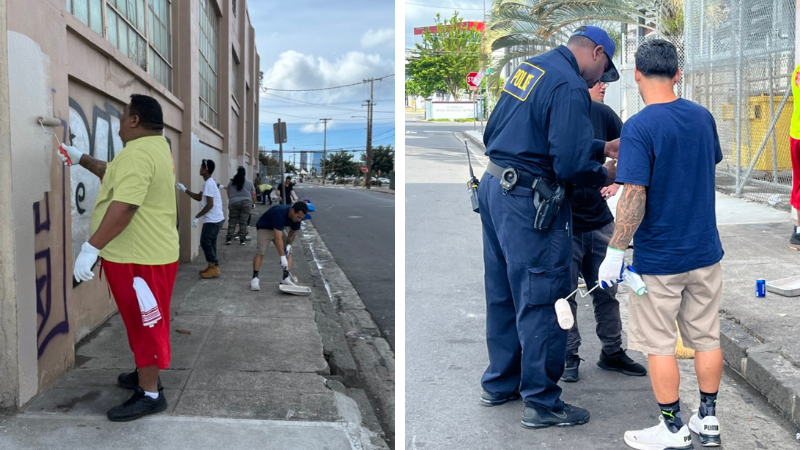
{"points": [[147, 302]]}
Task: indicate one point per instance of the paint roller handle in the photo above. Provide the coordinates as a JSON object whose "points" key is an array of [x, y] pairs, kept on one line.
{"points": [[69, 154]]}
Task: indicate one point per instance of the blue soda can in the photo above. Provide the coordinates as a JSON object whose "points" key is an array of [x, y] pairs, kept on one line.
{"points": [[761, 288]]}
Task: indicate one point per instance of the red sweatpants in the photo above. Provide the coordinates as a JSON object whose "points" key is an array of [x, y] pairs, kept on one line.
{"points": [[150, 345], [794, 198]]}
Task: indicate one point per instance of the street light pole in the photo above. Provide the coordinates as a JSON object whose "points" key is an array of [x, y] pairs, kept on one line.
{"points": [[324, 146], [370, 102]]}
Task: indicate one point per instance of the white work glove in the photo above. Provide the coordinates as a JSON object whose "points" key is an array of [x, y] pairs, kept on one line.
{"points": [[83, 264], [180, 187], [69, 154], [289, 249], [284, 263], [194, 222], [610, 272]]}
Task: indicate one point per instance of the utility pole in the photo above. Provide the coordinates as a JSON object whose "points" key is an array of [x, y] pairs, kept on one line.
{"points": [[280, 150], [370, 104], [324, 145]]}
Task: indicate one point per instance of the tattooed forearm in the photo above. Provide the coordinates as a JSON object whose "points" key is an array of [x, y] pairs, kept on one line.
{"points": [[630, 212], [94, 165]]}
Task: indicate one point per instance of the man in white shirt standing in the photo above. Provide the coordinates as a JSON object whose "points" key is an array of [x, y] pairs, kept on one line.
{"points": [[211, 213]]}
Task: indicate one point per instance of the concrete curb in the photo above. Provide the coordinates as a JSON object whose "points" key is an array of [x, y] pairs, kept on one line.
{"points": [[762, 365], [360, 358]]}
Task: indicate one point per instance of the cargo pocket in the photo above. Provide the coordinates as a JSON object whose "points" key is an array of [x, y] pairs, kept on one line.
{"points": [[545, 286]]}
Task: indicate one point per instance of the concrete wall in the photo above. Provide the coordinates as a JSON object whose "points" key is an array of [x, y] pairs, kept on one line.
{"points": [[53, 65]]}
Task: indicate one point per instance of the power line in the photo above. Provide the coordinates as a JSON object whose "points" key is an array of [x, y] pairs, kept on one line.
{"points": [[265, 88]]}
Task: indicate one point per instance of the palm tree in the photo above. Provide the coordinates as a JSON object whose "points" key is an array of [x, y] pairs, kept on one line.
{"points": [[525, 28]]}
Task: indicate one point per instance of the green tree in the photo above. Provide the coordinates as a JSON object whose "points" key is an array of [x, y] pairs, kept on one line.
{"points": [[289, 167], [382, 160], [443, 59], [526, 28], [341, 164]]}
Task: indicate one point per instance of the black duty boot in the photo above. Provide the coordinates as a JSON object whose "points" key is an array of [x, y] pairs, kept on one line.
{"points": [[131, 380], [794, 239], [571, 368], [619, 361], [535, 416], [488, 399], [137, 406]]}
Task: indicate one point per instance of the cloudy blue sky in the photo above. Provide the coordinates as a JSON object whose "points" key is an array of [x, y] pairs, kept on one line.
{"points": [[307, 44], [422, 13]]}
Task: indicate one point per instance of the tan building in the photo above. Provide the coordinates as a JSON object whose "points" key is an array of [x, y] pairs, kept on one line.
{"points": [[78, 61]]}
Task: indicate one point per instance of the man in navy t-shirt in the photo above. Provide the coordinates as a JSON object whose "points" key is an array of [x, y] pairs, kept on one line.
{"points": [[668, 153], [271, 228]]}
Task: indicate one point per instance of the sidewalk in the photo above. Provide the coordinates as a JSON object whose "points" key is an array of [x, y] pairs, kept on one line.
{"points": [[759, 335], [248, 371]]}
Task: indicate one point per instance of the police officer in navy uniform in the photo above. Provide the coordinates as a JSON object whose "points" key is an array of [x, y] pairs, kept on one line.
{"points": [[539, 134]]}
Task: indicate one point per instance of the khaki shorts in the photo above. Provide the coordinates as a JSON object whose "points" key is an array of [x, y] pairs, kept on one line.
{"points": [[266, 236], [690, 298]]}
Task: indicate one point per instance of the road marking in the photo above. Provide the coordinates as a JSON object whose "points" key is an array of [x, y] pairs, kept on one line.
{"points": [[354, 217]]}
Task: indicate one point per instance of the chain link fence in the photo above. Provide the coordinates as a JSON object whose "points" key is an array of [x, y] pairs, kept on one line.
{"points": [[737, 58], [739, 62]]}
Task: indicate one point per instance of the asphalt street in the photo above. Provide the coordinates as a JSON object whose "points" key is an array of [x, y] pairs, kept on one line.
{"points": [[445, 334], [357, 226]]}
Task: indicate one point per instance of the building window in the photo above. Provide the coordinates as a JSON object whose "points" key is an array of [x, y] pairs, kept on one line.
{"points": [[235, 78], [159, 63], [209, 31], [126, 29], [90, 12], [143, 35]]}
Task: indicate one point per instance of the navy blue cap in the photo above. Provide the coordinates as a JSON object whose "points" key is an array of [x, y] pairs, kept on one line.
{"points": [[600, 37]]}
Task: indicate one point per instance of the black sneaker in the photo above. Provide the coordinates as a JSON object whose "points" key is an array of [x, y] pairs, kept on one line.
{"points": [[131, 380], [537, 417], [488, 399], [794, 239], [228, 242], [621, 362], [137, 406], [571, 368]]}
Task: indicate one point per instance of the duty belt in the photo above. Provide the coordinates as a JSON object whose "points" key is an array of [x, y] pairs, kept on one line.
{"points": [[510, 176]]}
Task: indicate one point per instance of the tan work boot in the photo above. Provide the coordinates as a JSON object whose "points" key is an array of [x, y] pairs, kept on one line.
{"points": [[211, 272], [210, 265]]}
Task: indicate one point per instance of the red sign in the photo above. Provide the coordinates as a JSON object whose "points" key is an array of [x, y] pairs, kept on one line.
{"points": [[364, 169], [472, 79]]}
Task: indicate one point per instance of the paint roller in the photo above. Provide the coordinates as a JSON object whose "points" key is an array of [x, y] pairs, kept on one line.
{"points": [[53, 122]]}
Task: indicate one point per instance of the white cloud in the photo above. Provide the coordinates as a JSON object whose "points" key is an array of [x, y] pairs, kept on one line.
{"points": [[375, 38], [312, 128], [296, 71]]}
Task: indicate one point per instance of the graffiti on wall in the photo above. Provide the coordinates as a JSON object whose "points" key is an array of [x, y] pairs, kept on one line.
{"points": [[100, 139], [53, 318]]}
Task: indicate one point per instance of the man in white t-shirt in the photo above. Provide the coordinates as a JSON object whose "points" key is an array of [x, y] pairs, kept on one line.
{"points": [[211, 213]]}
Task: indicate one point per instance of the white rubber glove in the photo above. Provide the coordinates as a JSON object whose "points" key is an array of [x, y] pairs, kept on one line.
{"points": [[194, 222], [82, 269], [284, 263], [610, 272], [180, 187], [289, 249], [69, 154]]}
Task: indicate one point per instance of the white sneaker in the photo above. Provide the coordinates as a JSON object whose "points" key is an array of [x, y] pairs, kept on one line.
{"points": [[659, 438], [254, 285], [707, 428], [288, 281]]}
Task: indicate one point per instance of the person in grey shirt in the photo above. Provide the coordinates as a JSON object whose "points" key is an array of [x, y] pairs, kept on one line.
{"points": [[241, 199]]}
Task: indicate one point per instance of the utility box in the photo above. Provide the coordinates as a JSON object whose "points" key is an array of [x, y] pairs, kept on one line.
{"points": [[758, 121]]}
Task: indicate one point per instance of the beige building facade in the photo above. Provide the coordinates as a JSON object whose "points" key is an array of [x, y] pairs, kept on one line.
{"points": [[78, 61]]}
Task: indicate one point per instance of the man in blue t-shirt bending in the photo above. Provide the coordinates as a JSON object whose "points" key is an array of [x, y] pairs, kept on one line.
{"points": [[271, 228], [667, 157]]}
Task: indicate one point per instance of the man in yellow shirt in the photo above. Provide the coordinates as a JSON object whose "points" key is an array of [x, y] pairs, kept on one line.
{"points": [[794, 141], [134, 232]]}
